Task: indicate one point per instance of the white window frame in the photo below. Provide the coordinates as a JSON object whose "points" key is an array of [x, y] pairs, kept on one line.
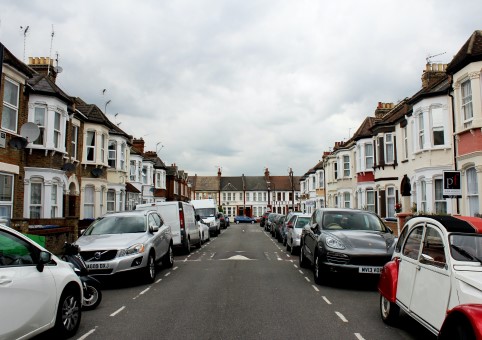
{"points": [[466, 101], [122, 157], [437, 125], [36, 198], [40, 118], [389, 149], [11, 106], [423, 195], [90, 147], [75, 141], [369, 157], [102, 148], [111, 201], [391, 200], [346, 166], [112, 153], [133, 172], [346, 200], [370, 203], [57, 130], [321, 179], [6, 198], [472, 191], [54, 200], [439, 201], [89, 202], [421, 131], [405, 142]]}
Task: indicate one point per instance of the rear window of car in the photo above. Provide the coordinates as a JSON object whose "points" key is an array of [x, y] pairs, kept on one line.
{"points": [[117, 225], [301, 222]]}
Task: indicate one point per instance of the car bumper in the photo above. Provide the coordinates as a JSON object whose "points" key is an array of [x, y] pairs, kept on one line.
{"points": [[117, 265]]}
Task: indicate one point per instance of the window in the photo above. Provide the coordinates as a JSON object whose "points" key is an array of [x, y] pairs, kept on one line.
{"points": [[411, 248], [90, 146], [110, 200], [346, 200], [112, 152], [405, 142], [370, 201], [102, 148], [57, 134], [224, 196], [89, 202], [467, 100], [389, 149], [39, 119], [144, 178], [346, 166], [265, 196], [255, 196], [6, 195], [240, 196], [229, 196], [122, 157], [438, 137], [335, 170], [75, 138], [421, 132], [433, 249], [472, 192], [36, 200], [391, 200], [321, 180], [440, 202], [54, 209], [121, 201], [10, 105], [133, 171], [368, 156], [423, 196]]}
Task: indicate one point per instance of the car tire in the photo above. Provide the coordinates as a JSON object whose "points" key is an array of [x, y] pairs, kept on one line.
{"points": [[150, 269], [199, 244], [187, 246], [293, 249], [288, 248], [252, 222], [389, 311], [92, 296], [318, 272], [303, 260], [168, 259], [285, 242], [457, 328], [69, 313]]}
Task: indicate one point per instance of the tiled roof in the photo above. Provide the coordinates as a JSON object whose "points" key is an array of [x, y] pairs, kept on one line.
{"points": [[255, 183], [232, 183], [42, 84], [206, 183], [10, 59], [470, 52], [440, 87], [364, 129]]}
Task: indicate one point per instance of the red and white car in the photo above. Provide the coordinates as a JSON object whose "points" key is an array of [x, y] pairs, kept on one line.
{"points": [[435, 276]]}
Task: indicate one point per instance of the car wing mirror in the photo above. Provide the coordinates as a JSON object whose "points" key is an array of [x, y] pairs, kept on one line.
{"points": [[424, 258], [198, 218], [153, 228], [45, 257]]}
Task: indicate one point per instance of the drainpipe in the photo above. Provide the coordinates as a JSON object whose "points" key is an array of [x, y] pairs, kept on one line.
{"points": [[454, 143]]}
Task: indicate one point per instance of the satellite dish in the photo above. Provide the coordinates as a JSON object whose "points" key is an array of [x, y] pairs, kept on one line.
{"points": [[19, 143], [30, 131], [96, 172], [58, 69], [68, 167]]}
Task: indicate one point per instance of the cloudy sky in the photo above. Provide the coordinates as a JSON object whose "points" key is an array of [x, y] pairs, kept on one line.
{"points": [[243, 85]]}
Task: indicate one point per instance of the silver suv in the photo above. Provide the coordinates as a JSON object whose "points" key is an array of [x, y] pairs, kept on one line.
{"points": [[127, 241]]}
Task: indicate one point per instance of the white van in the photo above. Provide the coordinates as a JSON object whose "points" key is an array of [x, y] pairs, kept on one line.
{"points": [[180, 217], [208, 212]]}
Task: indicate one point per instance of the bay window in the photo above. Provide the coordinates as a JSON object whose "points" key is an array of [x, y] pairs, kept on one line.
{"points": [[440, 202], [346, 166], [421, 132], [368, 156], [39, 119], [36, 193], [89, 200], [90, 146], [75, 140], [111, 200], [112, 153], [57, 134]]}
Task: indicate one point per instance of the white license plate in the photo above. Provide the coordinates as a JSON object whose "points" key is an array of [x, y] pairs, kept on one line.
{"points": [[97, 265], [370, 270]]}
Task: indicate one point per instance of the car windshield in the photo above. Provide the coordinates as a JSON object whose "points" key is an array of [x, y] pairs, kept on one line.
{"points": [[205, 212], [466, 247], [301, 222], [117, 225], [350, 220]]}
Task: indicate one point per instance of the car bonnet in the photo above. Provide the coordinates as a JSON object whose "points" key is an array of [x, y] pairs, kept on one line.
{"points": [[110, 241], [370, 242]]}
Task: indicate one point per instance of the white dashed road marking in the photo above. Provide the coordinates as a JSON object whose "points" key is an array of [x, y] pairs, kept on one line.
{"points": [[315, 288], [307, 279], [118, 311], [341, 317], [359, 337], [167, 274], [326, 300]]}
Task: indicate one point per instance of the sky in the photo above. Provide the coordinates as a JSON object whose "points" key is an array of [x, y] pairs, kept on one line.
{"points": [[240, 85]]}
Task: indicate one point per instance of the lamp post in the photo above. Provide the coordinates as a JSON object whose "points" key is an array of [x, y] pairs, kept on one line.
{"points": [[268, 183], [292, 190]]}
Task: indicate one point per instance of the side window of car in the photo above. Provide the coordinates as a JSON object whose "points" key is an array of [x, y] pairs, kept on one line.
{"points": [[158, 219], [16, 252], [411, 248], [401, 239], [433, 252], [152, 221]]}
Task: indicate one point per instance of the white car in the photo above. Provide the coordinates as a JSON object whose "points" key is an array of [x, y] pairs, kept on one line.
{"points": [[38, 291], [294, 227], [435, 276]]}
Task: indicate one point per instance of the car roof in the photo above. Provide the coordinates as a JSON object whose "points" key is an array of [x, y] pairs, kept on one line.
{"points": [[458, 224], [130, 213]]}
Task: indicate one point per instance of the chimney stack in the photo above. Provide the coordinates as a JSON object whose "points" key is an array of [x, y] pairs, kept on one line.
{"points": [[432, 74], [219, 172], [382, 109], [43, 65], [139, 144]]}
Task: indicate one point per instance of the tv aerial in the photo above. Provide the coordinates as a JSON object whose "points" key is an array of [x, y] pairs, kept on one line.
{"points": [[428, 59]]}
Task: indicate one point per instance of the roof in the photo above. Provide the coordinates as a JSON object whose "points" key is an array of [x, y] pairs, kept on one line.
{"points": [[42, 84], [395, 114], [206, 183], [437, 88], [364, 129], [459, 224], [283, 183], [131, 188], [470, 52], [255, 183], [10, 59], [232, 183]]}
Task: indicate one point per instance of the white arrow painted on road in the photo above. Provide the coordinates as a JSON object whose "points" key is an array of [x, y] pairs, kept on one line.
{"points": [[238, 257]]}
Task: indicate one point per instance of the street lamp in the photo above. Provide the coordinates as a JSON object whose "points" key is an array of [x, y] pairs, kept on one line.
{"points": [[292, 190], [268, 183]]}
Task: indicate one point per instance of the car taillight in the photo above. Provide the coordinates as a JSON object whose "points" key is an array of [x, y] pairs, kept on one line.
{"points": [[181, 219]]}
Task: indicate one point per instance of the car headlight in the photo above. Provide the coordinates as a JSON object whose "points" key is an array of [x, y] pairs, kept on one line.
{"points": [[334, 243], [135, 249]]}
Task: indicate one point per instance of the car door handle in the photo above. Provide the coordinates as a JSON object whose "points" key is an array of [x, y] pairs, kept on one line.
{"points": [[5, 281], [418, 267]]}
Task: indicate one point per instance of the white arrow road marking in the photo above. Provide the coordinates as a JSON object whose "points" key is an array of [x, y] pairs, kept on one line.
{"points": [[238, 257]]}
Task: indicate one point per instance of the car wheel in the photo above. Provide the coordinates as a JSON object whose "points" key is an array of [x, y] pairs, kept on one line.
{"points": [[285, 242], [168, 259], [252, 222], [389, 311], [92, 296], [288, 248], [198, 245], [318, 272], [187, 246], [68, 314], [150, 269], [237, 222], [303, 260], [457, 328]]}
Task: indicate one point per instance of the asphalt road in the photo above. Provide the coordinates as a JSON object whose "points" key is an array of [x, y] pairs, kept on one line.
{"points": [[241, 285]]}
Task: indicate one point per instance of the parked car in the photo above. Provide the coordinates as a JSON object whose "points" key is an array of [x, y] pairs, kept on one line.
{"points": [[204, 228], [435, 276], [244, 219], [178, 215], [278, 226], [263, 219], [125, 242], [284, 227], [269, 221], [224, 221], [345, 241], [208, 211], [294, 228], [38, 290]]}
